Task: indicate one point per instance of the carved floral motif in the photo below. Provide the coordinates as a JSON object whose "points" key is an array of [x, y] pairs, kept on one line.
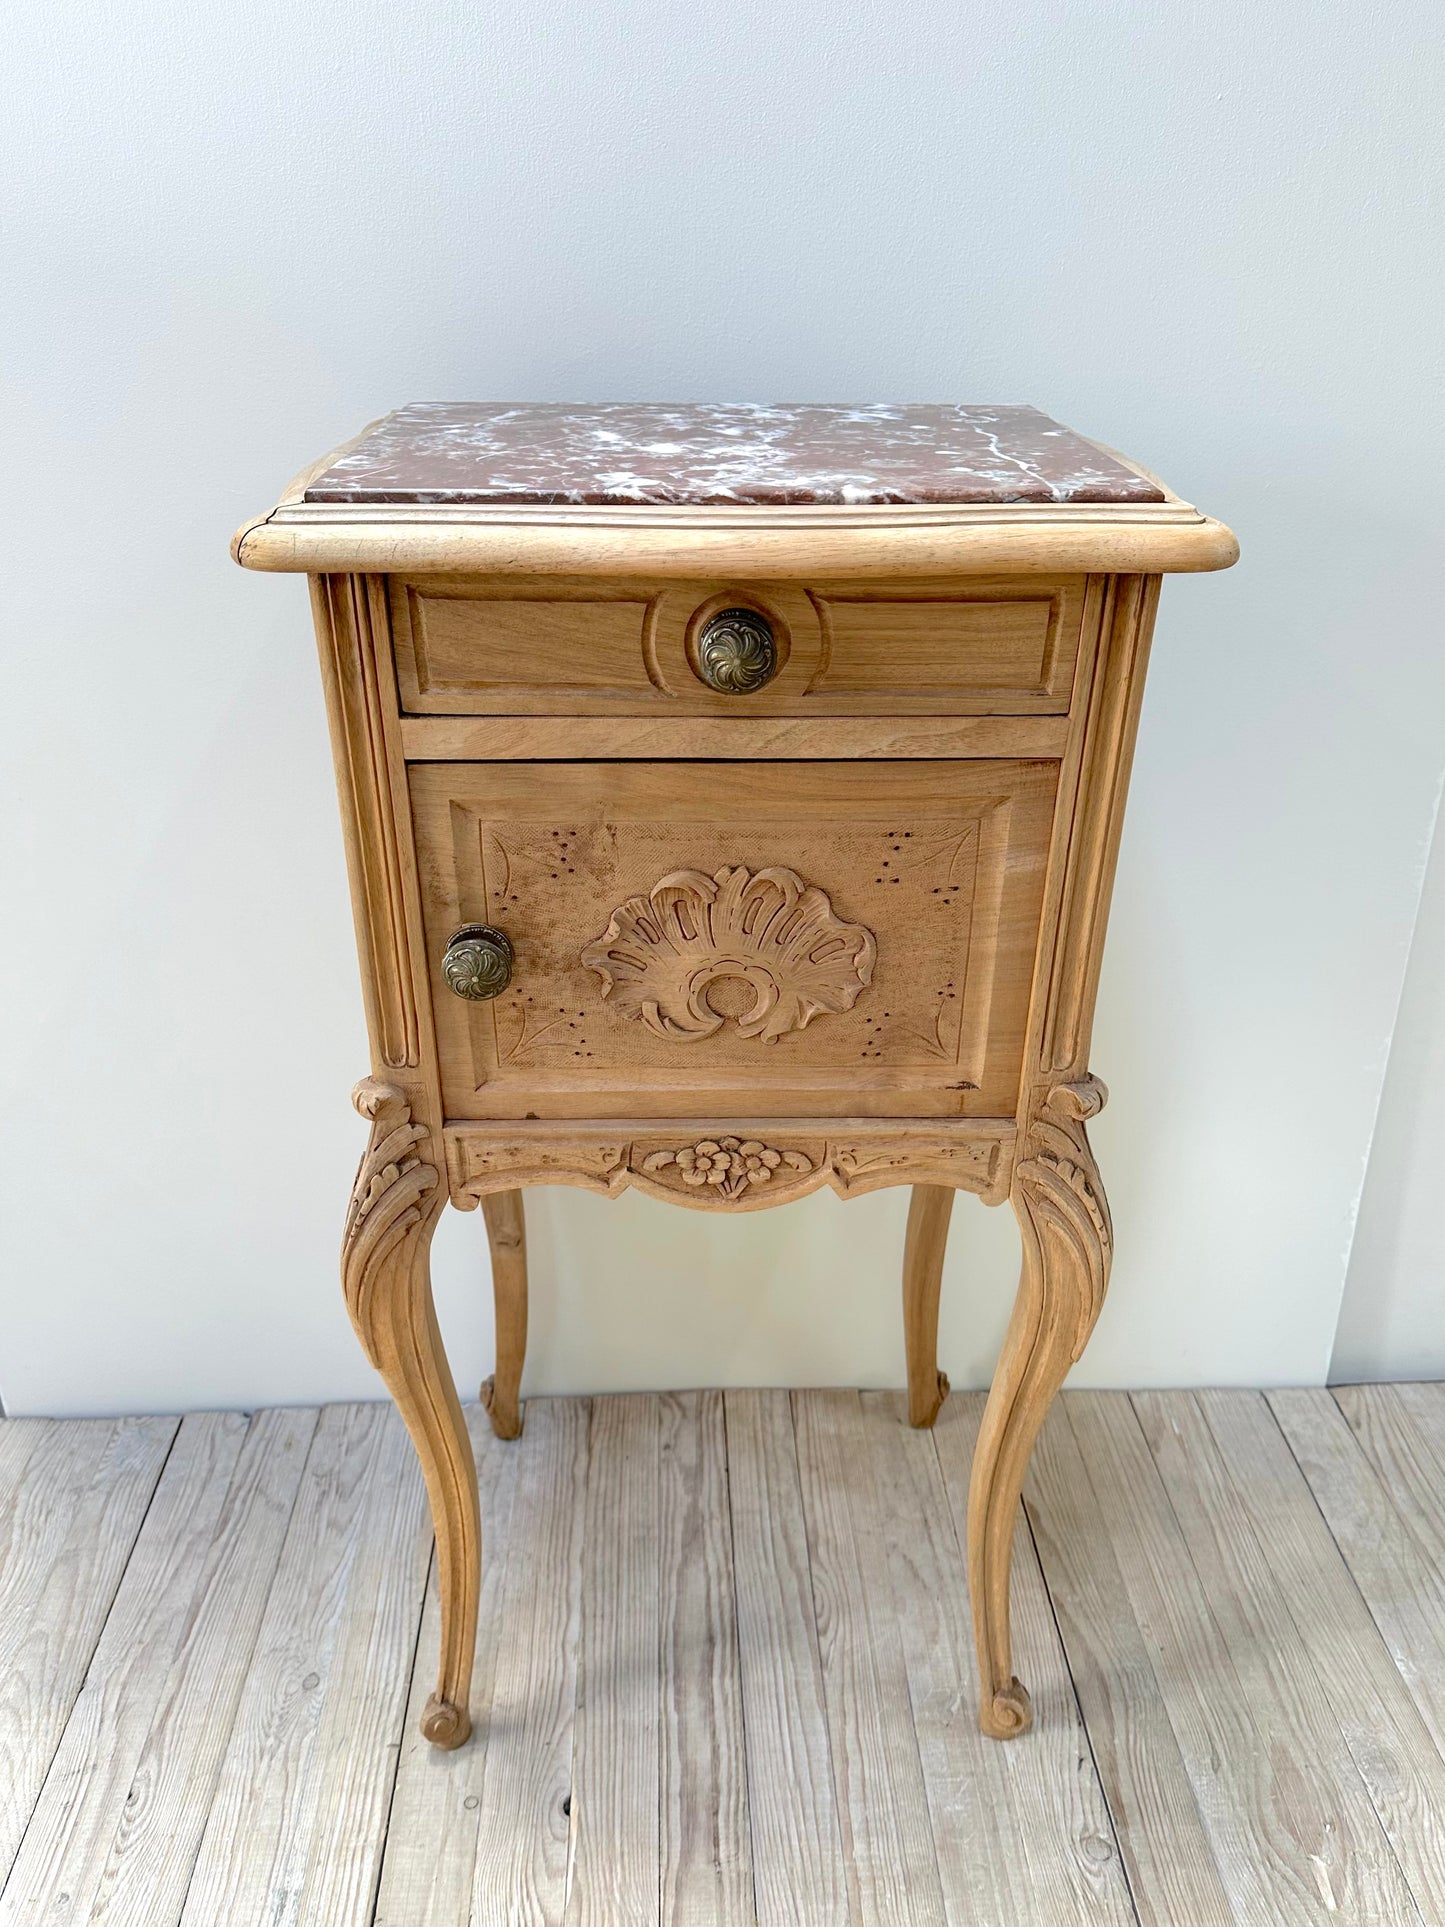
{"points": [[661, 954], [730, 1163], [726, 1171]]}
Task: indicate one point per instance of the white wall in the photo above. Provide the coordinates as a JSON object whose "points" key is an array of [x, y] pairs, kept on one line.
{"points": [[1392, 1321], [236, 233]]}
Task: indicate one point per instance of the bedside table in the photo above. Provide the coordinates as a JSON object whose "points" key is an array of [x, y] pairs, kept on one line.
{"points": [[731, 799]]}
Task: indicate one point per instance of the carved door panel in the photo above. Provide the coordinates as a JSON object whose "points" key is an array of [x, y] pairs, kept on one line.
{"points": [[737, 939]]}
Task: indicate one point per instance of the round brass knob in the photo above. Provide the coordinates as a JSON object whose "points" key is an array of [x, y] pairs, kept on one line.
{"points": [[477, 962], [736, 653]]}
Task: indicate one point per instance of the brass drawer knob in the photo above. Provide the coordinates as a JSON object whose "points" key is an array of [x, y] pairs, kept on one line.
{"points": [[477, 963], [736, 653]]}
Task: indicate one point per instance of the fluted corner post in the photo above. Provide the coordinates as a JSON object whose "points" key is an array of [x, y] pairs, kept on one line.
{"points": [[385, 1273], [1063, 1219]]}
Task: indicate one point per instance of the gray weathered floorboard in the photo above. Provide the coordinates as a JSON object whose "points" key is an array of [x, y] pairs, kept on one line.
{"points": [[1388, 1740], [1162, 1833], [431, 1842], [1317, 1793], [798, 1870], [116, 1831], [1063, 1836], [706, 1873], [525, 1836], [615, 1778], [67, 1526], [882, 1801], [312, 1752], [725, 1671]]}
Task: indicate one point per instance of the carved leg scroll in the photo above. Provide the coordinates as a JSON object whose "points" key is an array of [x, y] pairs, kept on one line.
{"points": [[928, 1214], [507, 1236], [1067, 1242], [386, 1276]]}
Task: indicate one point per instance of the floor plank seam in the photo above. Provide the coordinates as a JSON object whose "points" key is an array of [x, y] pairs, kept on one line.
{"points": [[839, 1791], [737, 1646], [1359, 1590], [1083, 1722], [1180, 1739], [251, 1650], [1336, 1774], [1378, 1472], [1344, 1559], [579, 1682], [749, 1738], [395, 1749], [899, 1608], [102, 1622], [1360, 1593], [1306, 1658]]}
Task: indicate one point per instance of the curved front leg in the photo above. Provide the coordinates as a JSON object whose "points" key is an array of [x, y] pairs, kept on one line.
{"points": [[386, 1275], [507, 1237], [1063, 1220]]}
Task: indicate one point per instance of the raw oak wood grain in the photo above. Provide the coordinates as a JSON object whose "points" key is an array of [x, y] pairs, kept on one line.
{"points": [[615, 1742], [506, 1222], [95, 1793], [1163, 1836], [247, 1687], [1373, 1477], [924, 1243], [525, 1827], [1387, 1737], [1318, 1793], [877, 1774], [799, 1870], [66, 1531], [967, 1780], [126, 1804], [333, 1655], [1075, 1864], [706, 1870], [879, 828], [435, 1819], [1276, 1852]]}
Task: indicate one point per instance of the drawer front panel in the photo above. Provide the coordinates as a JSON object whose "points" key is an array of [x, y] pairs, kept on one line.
{"points": [[475, 645], [913, 647], [748, 939]]}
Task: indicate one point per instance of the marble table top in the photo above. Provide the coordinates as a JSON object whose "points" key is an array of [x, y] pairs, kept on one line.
{"points": [[704, 453]]}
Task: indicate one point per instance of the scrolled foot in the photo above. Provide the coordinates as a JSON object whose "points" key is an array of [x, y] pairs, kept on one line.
{"points": [[395, 1203], [445, 1725], [924, 1410], [505, 1413], [1009, 1713]]}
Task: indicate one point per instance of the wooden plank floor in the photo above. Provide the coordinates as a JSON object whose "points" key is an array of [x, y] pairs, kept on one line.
{"points": [[725, 1671]]}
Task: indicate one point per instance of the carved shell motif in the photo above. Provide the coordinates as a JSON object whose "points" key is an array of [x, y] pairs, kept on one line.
{"points": [[661, 953]]}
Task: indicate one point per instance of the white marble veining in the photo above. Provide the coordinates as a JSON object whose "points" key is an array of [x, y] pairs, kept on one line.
{"points": [[727, 452]]}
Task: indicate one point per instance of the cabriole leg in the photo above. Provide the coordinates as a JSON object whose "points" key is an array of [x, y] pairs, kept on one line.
{"points": [[1067, 1243], [923, 1246], [507, 1236], [385, 1272]]}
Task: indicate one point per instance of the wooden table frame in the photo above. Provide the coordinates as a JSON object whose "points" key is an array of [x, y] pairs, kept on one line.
{"points": [[1038, 1158]]}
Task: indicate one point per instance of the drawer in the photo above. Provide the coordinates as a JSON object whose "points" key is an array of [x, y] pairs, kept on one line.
{"points": [[478, 645], [747, 939]]}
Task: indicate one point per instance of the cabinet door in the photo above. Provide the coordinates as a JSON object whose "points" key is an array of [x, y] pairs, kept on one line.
{"points": [[737, 939]]}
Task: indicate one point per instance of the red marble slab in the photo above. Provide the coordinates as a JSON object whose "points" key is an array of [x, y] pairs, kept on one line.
{"points": [[703, 453]]}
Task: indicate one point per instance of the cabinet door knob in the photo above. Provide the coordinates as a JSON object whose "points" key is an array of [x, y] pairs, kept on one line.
{"points": [[477, 962], [736, 653]]}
